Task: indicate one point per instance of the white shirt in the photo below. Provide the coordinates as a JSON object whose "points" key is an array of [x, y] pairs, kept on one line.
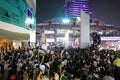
{"points": [[19, 66]]}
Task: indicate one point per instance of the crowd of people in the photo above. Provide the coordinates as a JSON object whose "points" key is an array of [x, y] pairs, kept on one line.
{"points": [[66, 64]]}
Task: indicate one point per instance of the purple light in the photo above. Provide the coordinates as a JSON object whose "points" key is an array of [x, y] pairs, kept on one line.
{"points": [[84, 6], [74, 6]]}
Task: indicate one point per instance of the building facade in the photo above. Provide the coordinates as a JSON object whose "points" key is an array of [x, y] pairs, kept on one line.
{"points": [[17, 24], [72, 7], [55, 34]]}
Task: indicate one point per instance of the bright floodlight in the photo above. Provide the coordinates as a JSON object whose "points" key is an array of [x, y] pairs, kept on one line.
{"points": [[29, 21], [66, 21]]}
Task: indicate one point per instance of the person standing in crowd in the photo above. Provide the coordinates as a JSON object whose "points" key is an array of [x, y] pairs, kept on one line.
{"points": [[25, 75], [11, 73], [39, 75], [64, 75], [19, 66], [2, 71]]}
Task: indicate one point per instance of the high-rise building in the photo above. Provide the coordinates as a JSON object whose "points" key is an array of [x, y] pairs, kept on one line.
{"points": [[72, 7]]}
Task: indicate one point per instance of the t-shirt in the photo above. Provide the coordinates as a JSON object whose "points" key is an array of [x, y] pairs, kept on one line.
{"points": [[64, 78]]}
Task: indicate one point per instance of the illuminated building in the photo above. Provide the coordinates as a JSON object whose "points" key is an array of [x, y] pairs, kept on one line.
{"points": [[17, 23], [72, 7], [55, 33]]}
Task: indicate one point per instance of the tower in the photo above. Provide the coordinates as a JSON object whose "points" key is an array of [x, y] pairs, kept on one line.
{"points": [[72, 7]]}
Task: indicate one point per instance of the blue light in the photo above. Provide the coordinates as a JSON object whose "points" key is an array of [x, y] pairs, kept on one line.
{"points": [[66, 21]]}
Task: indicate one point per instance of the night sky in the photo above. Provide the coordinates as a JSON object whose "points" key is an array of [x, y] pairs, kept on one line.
{"points": [[107, 11]]}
